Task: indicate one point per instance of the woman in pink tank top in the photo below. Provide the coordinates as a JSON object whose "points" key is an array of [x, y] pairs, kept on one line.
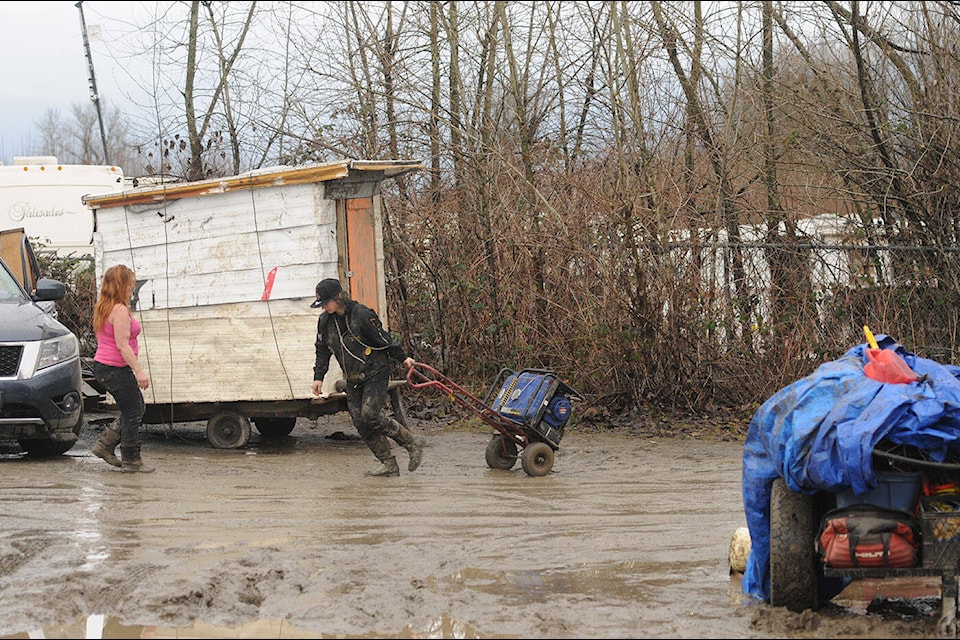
{"points": [[117, 367]]}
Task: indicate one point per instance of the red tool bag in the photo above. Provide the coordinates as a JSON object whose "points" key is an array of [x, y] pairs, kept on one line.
{"points": [[863, 536]]}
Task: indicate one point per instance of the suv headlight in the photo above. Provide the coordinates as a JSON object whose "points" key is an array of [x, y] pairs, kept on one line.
{"points": [[56, 350]]}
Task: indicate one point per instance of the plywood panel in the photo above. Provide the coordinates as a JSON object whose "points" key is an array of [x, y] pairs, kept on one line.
{"points": [[12, 252], [222, 249], [233, 352]]}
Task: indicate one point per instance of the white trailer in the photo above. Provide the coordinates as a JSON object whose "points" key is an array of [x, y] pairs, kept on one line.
{"points": [[226, 271], [45, 199]]}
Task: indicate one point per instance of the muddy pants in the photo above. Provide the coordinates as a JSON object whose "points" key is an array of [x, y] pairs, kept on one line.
{"points": [[122, 385], [365, 402]]}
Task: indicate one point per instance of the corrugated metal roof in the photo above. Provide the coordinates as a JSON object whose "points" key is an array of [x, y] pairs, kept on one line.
{"points": [[271, 176]]}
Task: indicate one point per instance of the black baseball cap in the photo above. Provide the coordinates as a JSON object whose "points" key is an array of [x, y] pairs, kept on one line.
{"points": [[327, 289]]}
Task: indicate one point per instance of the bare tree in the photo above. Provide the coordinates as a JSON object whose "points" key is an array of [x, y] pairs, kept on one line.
{"points": [[630, 192], [75, 139]]}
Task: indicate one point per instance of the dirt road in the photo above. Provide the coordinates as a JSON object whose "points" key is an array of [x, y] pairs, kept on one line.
{"points": [[628, 537]]}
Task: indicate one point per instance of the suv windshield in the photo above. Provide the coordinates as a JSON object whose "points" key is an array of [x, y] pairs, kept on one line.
{"points": [[10, 290]]}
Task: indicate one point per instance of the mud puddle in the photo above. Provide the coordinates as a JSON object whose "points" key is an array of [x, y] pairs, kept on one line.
{"points": [[628, 537]]}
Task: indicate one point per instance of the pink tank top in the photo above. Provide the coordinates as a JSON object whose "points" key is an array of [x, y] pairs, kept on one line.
{"points": [[107, 351]]}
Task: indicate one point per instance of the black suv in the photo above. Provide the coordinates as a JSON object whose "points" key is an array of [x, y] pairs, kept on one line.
{"points": [[41, 393]]}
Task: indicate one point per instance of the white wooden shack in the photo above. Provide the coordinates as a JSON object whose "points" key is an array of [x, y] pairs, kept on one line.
{"points": [[226, 271]]}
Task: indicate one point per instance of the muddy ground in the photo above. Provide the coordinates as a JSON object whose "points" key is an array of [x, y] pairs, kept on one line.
{"points": [[627, 537]]}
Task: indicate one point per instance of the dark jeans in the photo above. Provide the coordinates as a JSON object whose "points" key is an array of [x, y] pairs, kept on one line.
{"points": [[365, 403], [122, 385]]}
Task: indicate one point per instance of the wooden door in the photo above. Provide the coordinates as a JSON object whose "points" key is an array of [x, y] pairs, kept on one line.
{"points": [[362, 252]]}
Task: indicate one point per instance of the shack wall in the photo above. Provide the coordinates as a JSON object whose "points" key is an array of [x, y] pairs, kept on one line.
{"points": [[225, 282]]}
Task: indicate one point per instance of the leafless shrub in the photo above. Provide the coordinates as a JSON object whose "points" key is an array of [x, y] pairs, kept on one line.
{"points": [[75, 310]]}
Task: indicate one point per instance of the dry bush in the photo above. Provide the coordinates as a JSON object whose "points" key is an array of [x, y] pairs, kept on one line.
{"points": [[75, 310], [639, 328]]}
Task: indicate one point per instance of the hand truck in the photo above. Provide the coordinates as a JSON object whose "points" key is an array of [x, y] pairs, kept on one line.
{"points": [[529, 410]]}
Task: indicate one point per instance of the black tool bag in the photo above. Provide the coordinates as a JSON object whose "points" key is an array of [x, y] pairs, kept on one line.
{"points": [[862, 536]]}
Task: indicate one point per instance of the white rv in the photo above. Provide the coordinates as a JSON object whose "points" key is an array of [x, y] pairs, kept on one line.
{"points": [[45, 199]]}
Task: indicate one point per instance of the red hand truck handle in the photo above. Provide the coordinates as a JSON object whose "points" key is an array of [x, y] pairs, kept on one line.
{"points": [[423, 376]]}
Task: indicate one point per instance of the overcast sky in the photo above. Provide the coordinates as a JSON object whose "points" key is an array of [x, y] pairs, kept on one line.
{"points": [[44, 64]]}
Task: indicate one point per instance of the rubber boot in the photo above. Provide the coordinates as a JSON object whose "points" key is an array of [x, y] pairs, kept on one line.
{"points": [[132, 462], [389, 469], [415, 448], [105, 447], [408, 440]]}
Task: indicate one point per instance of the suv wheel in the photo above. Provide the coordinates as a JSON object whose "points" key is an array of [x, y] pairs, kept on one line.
{"points": [[45, 448]]}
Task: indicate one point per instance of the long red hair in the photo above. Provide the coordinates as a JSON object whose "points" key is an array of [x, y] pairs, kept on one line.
{"points": [[116, 287]]}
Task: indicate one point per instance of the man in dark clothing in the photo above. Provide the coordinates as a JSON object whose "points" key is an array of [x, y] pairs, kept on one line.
{"points": [[354, 334]]}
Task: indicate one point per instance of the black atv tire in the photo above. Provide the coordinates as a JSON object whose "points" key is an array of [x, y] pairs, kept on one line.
{"points": [[794, 563]]}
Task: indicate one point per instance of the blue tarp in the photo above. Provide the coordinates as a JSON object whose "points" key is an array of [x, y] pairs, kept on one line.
{"points": [[818, 434]]}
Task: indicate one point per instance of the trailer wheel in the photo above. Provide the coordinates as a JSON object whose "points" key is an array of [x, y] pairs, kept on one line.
{"points": [[275, 427], [228, 430], [537, 459], [793, 556], [501, 453]]}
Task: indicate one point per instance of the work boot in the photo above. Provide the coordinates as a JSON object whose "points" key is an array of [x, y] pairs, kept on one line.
{"points": [[415, 447], [105, 447], [132, 462], [389, 469]]}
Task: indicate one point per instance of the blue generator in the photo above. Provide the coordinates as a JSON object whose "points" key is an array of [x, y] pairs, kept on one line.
{"points": [[536, 400]]}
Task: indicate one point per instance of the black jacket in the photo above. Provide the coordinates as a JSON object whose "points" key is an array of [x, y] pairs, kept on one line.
{"points": [[358, 340]]}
